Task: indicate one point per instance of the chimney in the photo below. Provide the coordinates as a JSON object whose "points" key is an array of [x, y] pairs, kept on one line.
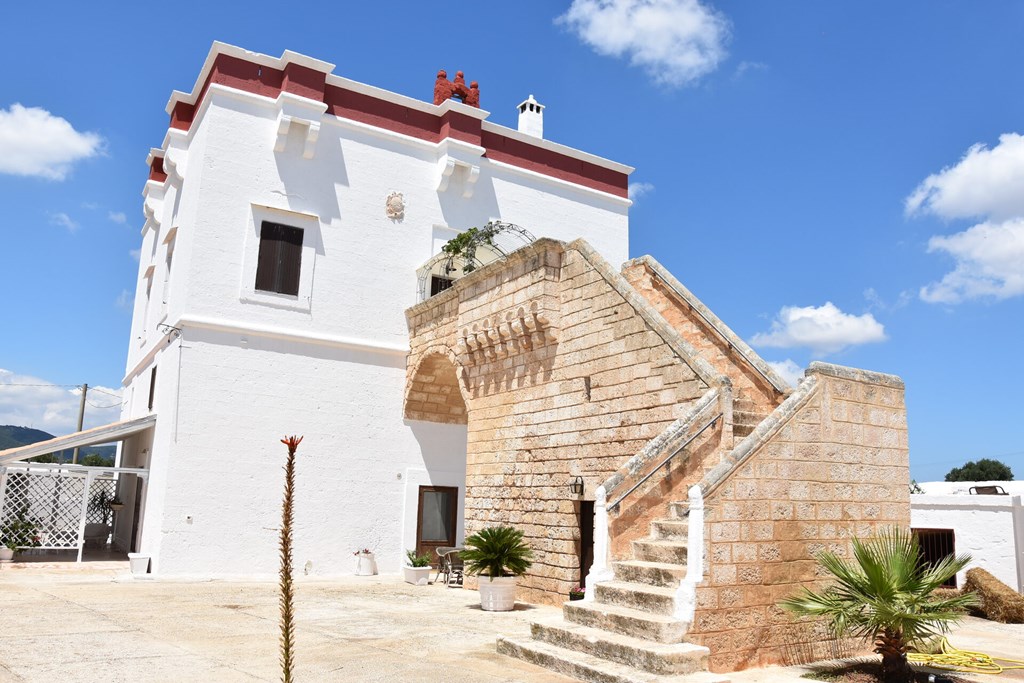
{"points": [[531, 117]]}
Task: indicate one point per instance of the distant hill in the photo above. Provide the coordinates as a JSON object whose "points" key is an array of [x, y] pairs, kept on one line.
{"points": [[12, 436]]}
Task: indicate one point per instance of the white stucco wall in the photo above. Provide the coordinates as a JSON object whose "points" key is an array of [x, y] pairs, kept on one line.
{"points": [[358, 467], [989, 528]]}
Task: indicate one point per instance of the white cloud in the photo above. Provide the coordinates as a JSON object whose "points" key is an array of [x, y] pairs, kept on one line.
{"points": [[745, 66], [136, 254], [989, 263], [788, 370], [675, 41], [63, 220], [985, 182], [34, 142], [823, 329], [637, 190], [989, 256], [27, 401], [117, 217], [124, 299]]}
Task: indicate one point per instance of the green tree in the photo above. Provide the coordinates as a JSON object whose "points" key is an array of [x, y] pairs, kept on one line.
{"points": [[497, 551], [96, 460], [985, 469], [884, 594]]}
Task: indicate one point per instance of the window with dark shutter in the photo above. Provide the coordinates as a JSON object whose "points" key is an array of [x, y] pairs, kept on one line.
{"points": [[152, 386], [438, 284], [280, 258]]}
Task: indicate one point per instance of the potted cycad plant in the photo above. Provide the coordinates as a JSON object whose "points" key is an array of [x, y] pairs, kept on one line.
{"points": [[500, 554], [417, 571]]}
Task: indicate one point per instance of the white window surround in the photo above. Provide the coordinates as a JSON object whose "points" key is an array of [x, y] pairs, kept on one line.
{"points": [[310, 225]]}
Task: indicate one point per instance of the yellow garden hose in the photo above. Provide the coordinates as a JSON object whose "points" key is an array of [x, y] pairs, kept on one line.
{"points": [[952, 659]]}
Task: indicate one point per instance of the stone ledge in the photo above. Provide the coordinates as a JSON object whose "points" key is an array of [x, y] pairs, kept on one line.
{"points": [[855, 374]]}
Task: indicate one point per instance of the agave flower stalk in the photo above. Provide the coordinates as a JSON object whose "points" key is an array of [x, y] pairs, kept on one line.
{"points": [[287, 599]]}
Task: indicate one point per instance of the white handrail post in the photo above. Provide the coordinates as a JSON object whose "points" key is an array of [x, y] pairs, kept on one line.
{"points": [[686, 594], [85, 513], [599, 570]]}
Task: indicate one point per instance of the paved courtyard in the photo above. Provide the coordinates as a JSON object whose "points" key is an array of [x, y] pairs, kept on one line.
{"points": [[68, 627], [69, 624]]}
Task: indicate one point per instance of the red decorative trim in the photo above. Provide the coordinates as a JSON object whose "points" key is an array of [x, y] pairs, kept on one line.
{"points": [[250, 77], [156, 170], [461, 127], [304, 82], [372, 111], [533, 158]]}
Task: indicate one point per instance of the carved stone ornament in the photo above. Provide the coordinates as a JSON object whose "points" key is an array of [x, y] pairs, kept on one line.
{"points": [[394, 206]]}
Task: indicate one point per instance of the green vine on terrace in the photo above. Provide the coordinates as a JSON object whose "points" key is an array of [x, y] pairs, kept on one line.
{"points": [[466, 243]]}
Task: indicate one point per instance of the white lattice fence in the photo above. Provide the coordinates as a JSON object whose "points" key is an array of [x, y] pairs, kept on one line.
{"points": [[54, 500]]}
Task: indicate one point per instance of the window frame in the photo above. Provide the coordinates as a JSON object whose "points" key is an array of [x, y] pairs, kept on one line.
{"points": [[309, 224]]}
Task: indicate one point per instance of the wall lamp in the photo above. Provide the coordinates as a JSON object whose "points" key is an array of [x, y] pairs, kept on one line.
{"points": [[576, 486]]}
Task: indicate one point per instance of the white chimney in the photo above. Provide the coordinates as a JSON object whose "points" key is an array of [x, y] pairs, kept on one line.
{"points": [[531, 117]]}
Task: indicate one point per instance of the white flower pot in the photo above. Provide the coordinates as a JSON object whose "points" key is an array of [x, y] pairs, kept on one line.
{"points": [[6, 554], [138, 563], [418, 576], [365, 565], [497, 594]]}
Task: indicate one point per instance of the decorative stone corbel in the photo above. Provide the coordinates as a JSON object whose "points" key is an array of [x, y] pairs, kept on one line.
{"points": [[472, 175], [447, 168]]}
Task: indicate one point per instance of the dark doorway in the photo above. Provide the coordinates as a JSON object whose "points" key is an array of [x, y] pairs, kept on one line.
{"points": [[436, 519], [137, 513], [936, 545], [586, 538]]}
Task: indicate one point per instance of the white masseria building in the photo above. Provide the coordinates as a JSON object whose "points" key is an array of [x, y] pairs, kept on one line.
{"points": [[288, 211]]}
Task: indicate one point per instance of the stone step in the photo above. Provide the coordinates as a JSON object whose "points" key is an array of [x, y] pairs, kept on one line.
{"points": [[670, 529], [743, 400], [655, 550], [740, 417], [742, 431], [663, 574], [679, 510], [658, 658], [586, 667], [625, 620], [641, 596]]}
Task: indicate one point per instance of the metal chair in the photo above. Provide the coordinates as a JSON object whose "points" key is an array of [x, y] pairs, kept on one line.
{"points": [[450, 564]]}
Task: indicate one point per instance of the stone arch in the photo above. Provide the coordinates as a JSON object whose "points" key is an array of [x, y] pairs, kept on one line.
{"points": [[434, 391]]}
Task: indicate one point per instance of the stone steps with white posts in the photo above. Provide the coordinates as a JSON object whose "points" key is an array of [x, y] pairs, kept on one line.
{"points": [[629, 632]]}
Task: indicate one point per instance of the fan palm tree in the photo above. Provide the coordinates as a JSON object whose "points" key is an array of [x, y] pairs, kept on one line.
{"points": [[885, 594]]}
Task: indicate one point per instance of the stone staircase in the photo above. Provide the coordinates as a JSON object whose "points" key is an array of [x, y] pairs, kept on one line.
{"points": [[745, 416], [628, 634]]}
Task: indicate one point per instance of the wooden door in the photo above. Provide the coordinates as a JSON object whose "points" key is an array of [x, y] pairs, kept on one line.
{"points": [[437, 515]]}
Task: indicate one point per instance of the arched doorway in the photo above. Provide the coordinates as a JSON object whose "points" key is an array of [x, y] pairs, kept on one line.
{"points": [[435, 409]]}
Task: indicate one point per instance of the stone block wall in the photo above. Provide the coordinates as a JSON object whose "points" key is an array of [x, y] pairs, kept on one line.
{"points": [[706, 333], [831, 463], [565, 371]]}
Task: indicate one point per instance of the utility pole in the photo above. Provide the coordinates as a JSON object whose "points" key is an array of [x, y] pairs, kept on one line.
{"points": [[81, 419]]}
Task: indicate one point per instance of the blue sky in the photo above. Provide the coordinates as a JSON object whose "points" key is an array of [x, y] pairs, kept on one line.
{"points": [[841, 180]]}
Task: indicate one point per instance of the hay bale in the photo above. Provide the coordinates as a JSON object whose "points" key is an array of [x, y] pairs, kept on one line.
{"points": [[996, 600]]}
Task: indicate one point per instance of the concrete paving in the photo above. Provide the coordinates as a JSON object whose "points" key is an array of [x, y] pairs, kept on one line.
{"points": [[70, 626], [93, 622]]}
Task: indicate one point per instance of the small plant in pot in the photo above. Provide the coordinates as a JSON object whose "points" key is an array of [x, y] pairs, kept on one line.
{"points": [[500, 554], [366, 565], [417, 571], [19, 531]]}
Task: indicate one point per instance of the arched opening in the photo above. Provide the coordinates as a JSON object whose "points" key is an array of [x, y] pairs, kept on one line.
{"points": [[434, 394], [435, 409]]}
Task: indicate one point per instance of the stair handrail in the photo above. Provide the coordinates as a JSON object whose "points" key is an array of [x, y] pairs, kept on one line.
{"points": [[600, 569], [712, 395], [730, 338]]}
